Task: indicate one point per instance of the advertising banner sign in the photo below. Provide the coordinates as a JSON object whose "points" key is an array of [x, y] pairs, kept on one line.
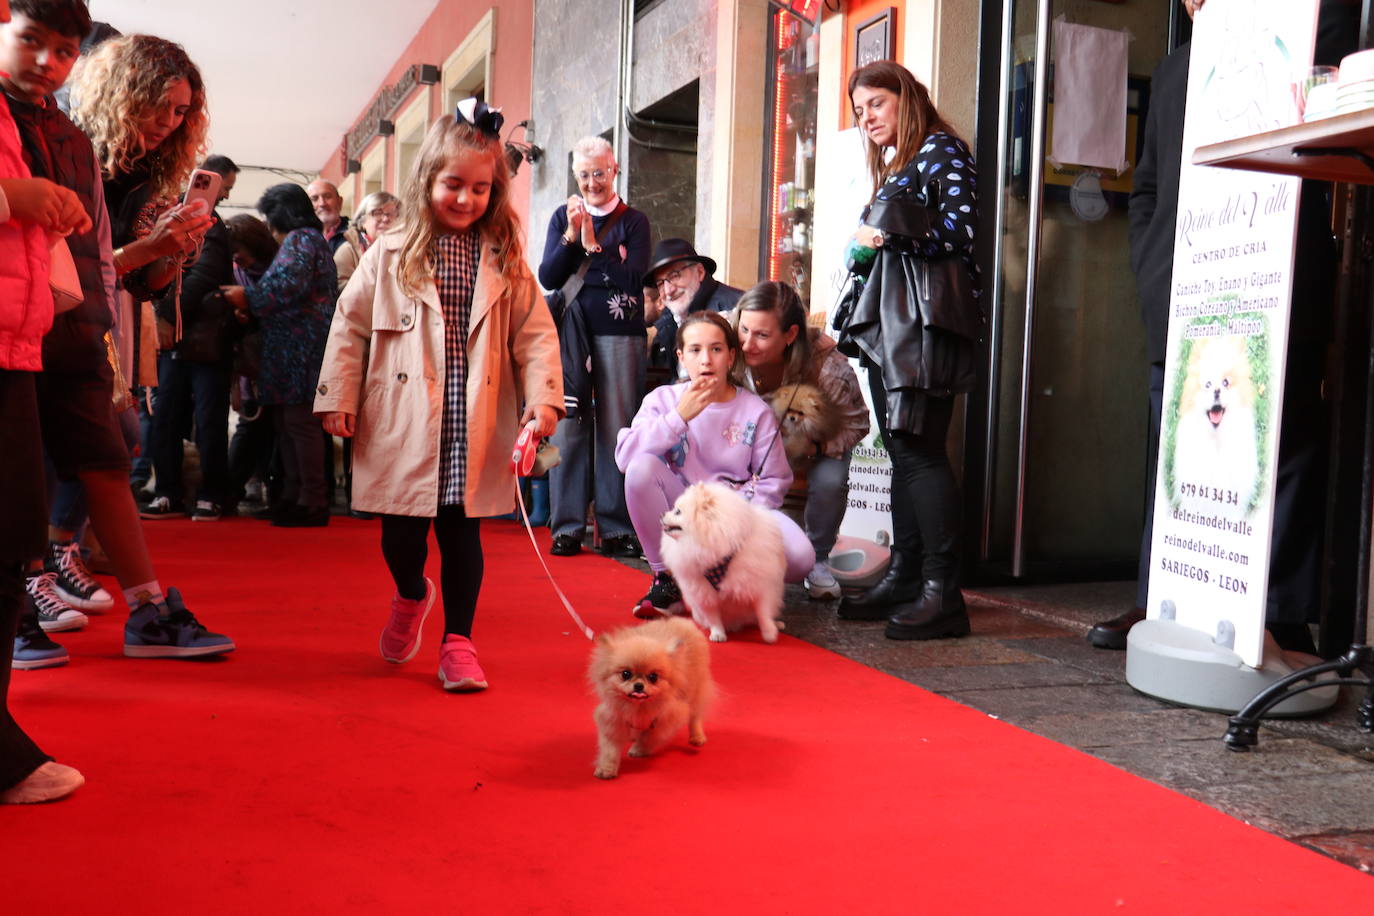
{"points": [[1228, 327], [843, 188]]}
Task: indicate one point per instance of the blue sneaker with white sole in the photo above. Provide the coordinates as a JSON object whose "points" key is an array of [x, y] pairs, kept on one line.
{"points": [[178, 634], [34, 649]]}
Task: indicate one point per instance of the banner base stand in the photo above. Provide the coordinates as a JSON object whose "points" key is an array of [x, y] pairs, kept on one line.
{"points": [[1184, 666]]}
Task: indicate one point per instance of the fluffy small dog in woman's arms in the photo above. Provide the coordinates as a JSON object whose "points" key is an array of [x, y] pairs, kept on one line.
{"points": [[806, 420], [651, 680], [727, 557]]}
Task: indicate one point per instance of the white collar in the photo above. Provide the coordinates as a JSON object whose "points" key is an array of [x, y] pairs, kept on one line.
{"points": [[609, 209]]}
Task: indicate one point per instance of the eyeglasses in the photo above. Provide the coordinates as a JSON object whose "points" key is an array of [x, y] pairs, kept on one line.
{"points": [[382, 212], [671, 276], [599, 175]]}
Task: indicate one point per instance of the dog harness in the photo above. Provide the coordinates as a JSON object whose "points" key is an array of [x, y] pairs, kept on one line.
{"points": [[716, 574]]}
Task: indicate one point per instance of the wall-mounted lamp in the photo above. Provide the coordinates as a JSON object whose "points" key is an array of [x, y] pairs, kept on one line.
{"points": [[518, 151], [428, 75], [352, 165], [385, 128]]}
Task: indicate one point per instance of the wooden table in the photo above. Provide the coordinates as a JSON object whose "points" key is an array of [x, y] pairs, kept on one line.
{"points": [[1295, 150]]}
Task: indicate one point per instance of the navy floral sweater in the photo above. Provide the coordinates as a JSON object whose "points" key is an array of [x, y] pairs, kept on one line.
{"points": [[294, 304]]}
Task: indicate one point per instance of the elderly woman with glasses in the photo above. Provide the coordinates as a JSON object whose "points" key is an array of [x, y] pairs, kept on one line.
{"points": [[595, 257], [377, 213]]}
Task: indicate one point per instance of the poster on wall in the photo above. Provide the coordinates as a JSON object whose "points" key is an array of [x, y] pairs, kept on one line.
{"points": [[1228, 328]]}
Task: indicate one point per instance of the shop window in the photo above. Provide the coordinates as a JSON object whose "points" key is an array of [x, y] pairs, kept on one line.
{"points": [[411, 126], [467, 72], [789, 193], [374, 169]]}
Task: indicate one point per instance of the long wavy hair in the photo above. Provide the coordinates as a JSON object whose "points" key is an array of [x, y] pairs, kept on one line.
{"points": [[782, 301], [917, 117], [121, 81], [499, 226]]}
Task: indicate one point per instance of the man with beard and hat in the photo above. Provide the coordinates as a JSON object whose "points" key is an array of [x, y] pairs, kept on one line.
{"points": [[686, 283]]}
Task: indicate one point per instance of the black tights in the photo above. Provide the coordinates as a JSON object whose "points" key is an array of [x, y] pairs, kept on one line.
{"points": [[405, 547], [925, 495]]}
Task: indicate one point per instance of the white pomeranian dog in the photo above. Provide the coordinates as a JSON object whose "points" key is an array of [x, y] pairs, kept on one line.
{"points": [[1216, 446], [726, 555]]}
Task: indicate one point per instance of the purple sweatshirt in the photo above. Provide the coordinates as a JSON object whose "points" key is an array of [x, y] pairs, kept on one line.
{"points": [[726, 442]]}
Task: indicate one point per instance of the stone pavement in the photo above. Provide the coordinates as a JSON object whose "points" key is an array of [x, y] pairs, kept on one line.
{"points": [[1027, 663]]}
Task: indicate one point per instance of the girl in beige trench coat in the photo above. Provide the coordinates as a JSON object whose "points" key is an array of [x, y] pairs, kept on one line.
{"points": [[438, 338]]}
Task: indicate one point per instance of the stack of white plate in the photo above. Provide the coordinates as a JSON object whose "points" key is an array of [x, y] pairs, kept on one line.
{"points": [[1353, 96], [1355, 90]]}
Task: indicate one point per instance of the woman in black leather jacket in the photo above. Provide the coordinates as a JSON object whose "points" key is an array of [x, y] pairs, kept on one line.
{"points": [[916, 328]]}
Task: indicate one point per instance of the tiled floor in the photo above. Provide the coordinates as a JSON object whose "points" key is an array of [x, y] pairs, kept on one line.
{"points": [[1027, 662]]}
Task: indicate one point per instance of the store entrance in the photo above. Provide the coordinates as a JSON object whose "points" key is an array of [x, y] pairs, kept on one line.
{"points": [[1055, 453]]}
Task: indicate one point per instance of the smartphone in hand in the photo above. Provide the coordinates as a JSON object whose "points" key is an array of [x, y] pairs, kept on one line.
{"points": [[204, 186]]}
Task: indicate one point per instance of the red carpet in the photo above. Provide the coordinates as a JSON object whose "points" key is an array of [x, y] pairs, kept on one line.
{"points": [[303, 774]]}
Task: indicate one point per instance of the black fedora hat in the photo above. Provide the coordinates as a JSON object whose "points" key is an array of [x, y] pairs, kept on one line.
{"points": [[670, 251]]}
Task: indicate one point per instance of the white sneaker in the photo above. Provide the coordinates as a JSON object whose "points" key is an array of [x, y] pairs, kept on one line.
{"points": [[49, 782], [820, 582]]}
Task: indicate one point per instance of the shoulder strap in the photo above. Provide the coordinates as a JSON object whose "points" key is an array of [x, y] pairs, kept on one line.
{"points": [[616, 214]]}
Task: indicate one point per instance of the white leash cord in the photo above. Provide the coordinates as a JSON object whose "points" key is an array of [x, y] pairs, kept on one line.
{"points": [[525, 517]]}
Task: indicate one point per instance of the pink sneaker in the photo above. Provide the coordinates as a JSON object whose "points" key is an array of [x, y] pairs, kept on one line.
{"points": [[458, 667], [401, 638]]}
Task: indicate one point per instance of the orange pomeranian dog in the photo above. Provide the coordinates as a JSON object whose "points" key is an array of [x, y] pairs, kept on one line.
{"points": [[1216, 446], [652, 680], [806, 419]]}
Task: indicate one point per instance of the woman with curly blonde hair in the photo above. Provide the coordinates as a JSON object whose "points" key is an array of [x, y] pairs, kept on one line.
{"points": [[141, 101]]}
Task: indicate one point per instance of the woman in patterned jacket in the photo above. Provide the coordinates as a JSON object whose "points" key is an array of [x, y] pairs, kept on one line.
{"points": [[294, 304]]}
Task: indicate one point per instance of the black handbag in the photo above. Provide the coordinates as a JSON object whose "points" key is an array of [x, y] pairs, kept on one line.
{"points": [[941, 285], [915, 317]]}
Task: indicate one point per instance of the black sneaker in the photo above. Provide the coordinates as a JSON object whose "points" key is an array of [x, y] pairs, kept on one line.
{"points": [[664, 598], [625, 545], [74, 582], [47, 607], [566, 545], [33, 649], [161, 507], [206, 511]]}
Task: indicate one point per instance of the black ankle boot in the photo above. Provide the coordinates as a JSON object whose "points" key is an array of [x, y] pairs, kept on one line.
{"points": [[901, 582], [937, 614]]}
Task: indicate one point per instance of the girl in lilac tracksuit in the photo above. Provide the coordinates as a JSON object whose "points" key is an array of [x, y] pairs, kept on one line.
{"points": [[705, 429]]}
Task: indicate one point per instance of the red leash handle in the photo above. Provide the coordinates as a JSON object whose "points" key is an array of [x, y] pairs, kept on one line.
{"points": [[526, 450]]}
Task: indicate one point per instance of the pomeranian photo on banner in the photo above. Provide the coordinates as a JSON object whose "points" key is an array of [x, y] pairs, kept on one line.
{"points": [[1216, 454]]}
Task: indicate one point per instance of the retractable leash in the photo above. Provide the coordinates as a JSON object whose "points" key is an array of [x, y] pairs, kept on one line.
{"points": [[522, 462]]}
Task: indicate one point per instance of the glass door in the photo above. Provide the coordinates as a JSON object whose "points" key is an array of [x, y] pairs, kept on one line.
{"points": [[1064, 415]]}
